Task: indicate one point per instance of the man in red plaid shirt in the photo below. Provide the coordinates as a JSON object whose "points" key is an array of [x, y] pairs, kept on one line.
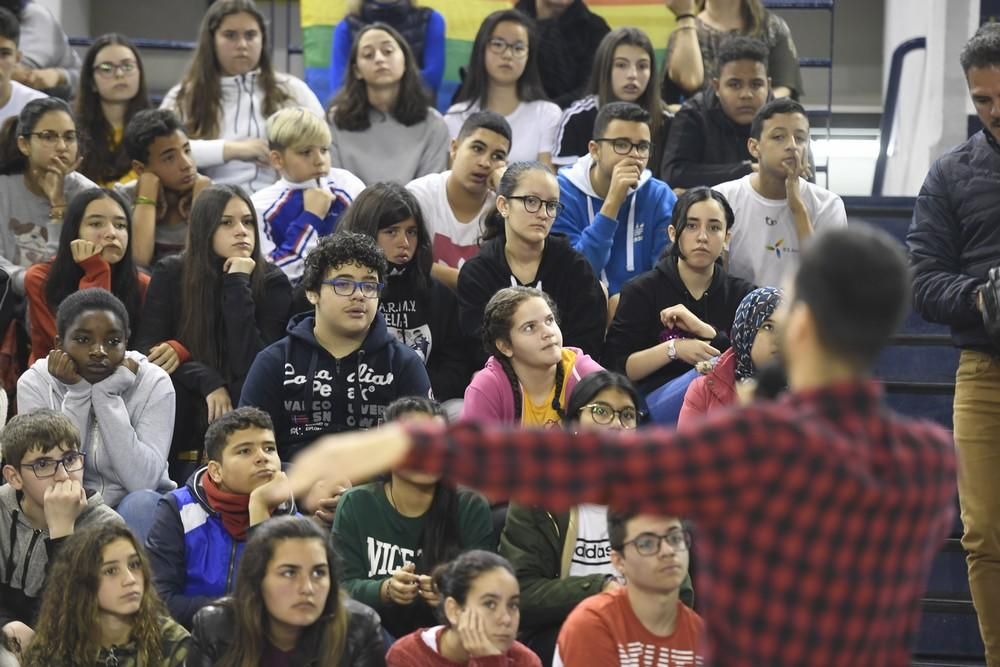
{"points": [[818, 515]]}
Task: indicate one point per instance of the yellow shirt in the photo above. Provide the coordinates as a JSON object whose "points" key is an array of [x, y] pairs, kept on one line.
{"points": [[116, 145], [542, 414]]}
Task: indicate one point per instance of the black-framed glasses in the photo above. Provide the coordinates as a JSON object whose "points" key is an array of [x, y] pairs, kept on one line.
{"points": [[45, 468], [347, 287], [624, 146], [604, 414], [648, 544], [108, 70], [52, 137], [533, 204], [499, 46]]}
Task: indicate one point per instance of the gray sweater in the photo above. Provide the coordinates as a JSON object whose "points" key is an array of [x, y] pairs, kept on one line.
{"points": [[27, 234], [391, 151], [126, 423], [29, 552], [43, 44]]}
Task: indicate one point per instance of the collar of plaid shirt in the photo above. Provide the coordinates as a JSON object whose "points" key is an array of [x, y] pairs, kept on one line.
{"points": [[816, 516]]}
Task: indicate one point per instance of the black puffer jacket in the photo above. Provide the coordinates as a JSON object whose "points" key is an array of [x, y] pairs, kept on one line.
{"points": [[705, 147], [954, 238], [215, 625]]}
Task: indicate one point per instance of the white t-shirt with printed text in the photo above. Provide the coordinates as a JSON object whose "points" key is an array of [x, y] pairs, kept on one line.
{"points": [[765, 247], [592, 552]]}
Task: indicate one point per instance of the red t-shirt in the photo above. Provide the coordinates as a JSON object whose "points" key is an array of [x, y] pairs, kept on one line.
{"points": [[422, 648], [603, 630]]}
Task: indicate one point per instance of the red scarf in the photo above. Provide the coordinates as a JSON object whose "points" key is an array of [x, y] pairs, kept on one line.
{"points": [[233, 507]]}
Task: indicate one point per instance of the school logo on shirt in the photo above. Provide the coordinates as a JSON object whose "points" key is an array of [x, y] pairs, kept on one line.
{"points": [[637, 231], [769, 221], [779, 248]]}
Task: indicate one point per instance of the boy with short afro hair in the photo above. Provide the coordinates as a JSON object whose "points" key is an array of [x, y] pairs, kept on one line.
{"points": [[199, 530], [13, 95], [168, 182], [339, 366], [309, 198], [42, 503]]}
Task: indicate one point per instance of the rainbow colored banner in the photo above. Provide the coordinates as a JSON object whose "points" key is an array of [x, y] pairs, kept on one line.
{"points": [[463, 18]]}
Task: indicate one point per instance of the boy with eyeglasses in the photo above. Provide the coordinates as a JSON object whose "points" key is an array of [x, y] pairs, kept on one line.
{"points": [[616, 214], [13, 95], [644, 620], [339, 366], [42, 503]]}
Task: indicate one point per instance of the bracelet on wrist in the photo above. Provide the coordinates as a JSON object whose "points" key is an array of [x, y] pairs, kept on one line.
{"points": [[57, 212], [680, 17], [142, 199]]}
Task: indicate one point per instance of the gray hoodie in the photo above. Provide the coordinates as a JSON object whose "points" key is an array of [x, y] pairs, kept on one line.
{"points": [[126, 423], [25, 552]]}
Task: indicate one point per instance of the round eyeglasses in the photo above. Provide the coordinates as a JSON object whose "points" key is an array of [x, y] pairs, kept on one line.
{"points": [[44, 468], [604, 414], [648, 544]]}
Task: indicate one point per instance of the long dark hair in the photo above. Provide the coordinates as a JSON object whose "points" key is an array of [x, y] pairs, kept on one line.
{"points": [[100, 162], [12, 160], [327, 637], [440, 537], [200, 326], [455, 579], [493, 223], [591, 385], [198, 99], [383, 205], [349, 108], [600, 75], [475, 88], [498, 319], [65, 634], [65, 274]]}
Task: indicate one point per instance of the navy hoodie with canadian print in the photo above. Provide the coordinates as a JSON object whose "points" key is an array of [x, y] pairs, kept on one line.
{"points": [[308, 392]]}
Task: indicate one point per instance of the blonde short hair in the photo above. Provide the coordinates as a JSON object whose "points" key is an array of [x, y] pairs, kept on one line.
{"points": [[295, 126]]}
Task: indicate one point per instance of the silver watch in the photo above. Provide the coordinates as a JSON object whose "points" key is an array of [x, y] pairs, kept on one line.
{"points": [[672, 349]]}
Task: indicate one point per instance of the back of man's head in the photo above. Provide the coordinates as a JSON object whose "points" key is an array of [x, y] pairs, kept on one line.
{"points": [[10, 27], [983, 48], [144, 128], [627, 111], [855, 282]]}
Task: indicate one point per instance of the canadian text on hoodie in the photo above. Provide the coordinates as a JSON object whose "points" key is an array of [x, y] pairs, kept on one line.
{"points": [[242, 118], [617, 249], [125, 423], [288, 232], [308, 392]]}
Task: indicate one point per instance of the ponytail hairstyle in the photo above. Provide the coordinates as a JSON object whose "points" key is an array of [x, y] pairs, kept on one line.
{"points": [[200, 326], [12, 160], [65, 273], [681, 207], [476, 86], [349, 108], [325, 639], [101, 163], [386, 204], [440, 538], [498, 320], [455, 579], [198, 99], [604, 63], [493, 223]]}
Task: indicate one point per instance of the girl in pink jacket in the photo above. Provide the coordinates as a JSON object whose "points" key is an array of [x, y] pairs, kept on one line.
{"points": [[530, 374]]}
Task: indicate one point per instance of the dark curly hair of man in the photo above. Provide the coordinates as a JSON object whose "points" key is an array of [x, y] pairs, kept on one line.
{"points": [[337, 250]]}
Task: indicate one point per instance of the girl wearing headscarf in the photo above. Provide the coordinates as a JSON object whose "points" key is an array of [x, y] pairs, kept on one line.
{"points": [[754, 343]]}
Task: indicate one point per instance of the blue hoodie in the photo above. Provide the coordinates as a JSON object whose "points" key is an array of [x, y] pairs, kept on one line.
{"points": [[621, 249], [308, 392]]}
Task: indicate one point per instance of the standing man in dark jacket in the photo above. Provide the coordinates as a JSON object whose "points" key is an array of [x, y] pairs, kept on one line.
{"points": [[708, 137], [568, 35], [954, 242]]}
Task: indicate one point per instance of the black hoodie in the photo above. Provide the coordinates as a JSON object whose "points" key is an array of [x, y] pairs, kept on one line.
{"points": [[427, 321], [637, 325], [308, 392], [566, 44], [563, 274], [704, 146]]}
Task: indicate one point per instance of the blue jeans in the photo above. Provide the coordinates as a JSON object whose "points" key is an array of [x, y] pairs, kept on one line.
{"points": [[138, 508]]}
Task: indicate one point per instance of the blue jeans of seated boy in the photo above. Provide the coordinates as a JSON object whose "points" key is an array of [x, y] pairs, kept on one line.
{"points": [[138, 508]]}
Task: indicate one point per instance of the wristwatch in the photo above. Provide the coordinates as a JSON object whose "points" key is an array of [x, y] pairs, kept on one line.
{"points": [[672, 349]]}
